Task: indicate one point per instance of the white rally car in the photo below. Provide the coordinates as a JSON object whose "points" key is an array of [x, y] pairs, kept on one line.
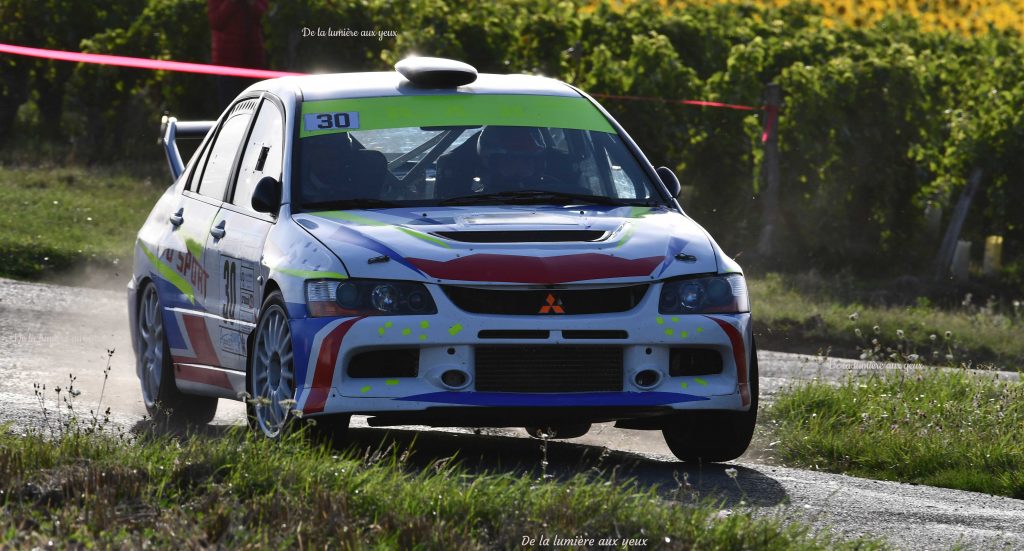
{"points": [[436, 247]]}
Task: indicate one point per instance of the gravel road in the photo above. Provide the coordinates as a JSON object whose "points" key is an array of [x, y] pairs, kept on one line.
{"points": [[50, 331]]}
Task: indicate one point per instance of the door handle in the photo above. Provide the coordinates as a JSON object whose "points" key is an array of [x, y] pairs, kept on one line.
{"points": [[218, 231], [177, 219]]}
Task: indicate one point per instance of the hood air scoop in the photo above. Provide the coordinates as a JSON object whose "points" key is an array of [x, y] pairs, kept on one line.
{"points": [[542, 236]]}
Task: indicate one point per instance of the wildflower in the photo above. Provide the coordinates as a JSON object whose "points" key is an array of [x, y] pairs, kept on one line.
{"points": [[857, 331], [899, 333], [730, 472], [913, 358], [876, 329], [949, 335], [854, 316], [932, 337]]}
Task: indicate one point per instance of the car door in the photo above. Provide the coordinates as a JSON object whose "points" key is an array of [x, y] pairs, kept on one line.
{"points": [[236, 247], [192, 326]]}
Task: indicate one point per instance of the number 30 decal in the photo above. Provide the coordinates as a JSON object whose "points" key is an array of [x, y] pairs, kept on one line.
{"points": [[331, 121], [230, 289]]}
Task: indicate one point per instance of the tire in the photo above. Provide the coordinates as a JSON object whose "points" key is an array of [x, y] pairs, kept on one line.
{"points": [[714, 436], [165, 403], [558, 432], [271, 370]]}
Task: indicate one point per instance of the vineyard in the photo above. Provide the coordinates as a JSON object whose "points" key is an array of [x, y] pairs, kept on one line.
{"points": [[966, 17], [882, 123]]}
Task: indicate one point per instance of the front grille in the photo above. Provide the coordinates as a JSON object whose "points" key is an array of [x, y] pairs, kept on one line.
{"points": [[513, 334], [546, 301], [594, 334], [549, 369]]}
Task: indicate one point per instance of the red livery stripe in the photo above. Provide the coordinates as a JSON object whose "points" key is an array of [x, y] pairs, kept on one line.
{"points": [[197, 374], [740, 355], [532, 269], [330, 347], [202, 346]]}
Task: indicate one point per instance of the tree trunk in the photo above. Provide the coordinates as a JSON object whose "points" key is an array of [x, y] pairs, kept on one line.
{"points": [[956, 224], [770, 172]]}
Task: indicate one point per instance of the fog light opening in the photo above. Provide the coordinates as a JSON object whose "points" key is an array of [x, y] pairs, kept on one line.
{"points": [[455, 379], [647, 378]]}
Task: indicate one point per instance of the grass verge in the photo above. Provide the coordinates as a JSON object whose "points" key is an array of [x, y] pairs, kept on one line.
{"points": [[55, 219], [946, 428], [797, 313], [233, 491]]}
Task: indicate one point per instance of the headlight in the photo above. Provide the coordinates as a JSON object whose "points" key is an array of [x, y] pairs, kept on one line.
{"points": [[367, 297], [725, 294]]}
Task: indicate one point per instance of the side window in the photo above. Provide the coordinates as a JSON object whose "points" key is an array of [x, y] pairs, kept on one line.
{"points": [[197, 168], [262, 156], [222, 155]]}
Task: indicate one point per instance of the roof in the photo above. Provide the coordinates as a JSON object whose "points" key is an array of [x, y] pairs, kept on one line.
{"points": [[390, 83]]}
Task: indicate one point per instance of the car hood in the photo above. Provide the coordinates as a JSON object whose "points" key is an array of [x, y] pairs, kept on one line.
{"points": [[539, 245]]}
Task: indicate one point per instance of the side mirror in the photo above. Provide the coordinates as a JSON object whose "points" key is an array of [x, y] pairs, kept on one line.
{"points": [[668, 177], [267, 196]]}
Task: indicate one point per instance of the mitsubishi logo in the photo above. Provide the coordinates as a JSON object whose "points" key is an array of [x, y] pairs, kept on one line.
{"points": [[553, 306]]}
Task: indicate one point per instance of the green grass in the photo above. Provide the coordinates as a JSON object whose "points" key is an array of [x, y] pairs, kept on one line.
{"points": [[804, 313], [234, 491], [55, 219], [947, 428]]}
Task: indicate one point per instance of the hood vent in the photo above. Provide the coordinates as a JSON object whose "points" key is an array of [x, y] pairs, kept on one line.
{"points": [[553, 236]]}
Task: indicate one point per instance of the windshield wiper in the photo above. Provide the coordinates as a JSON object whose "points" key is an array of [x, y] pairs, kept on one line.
{"points": [[346, 204], [540, 197]]}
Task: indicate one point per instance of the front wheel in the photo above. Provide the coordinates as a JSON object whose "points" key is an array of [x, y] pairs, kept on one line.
{"points": [[271, 370], [714, 436], [164, 402]]}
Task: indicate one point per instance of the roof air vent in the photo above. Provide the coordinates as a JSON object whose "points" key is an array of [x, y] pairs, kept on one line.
{"points": [[436, 72]]}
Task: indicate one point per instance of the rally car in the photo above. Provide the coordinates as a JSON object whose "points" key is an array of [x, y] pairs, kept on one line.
{"points": [[433, 246]]}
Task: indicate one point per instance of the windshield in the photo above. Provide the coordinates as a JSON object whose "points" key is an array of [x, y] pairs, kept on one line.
{"points": [[369, 167]]}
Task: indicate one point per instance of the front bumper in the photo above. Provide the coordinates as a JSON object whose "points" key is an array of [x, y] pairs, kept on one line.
{"points": [[448, 341]]}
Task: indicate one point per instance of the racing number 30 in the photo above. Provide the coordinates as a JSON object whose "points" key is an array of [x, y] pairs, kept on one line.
{"points": [[230, 288], [332, 120]]}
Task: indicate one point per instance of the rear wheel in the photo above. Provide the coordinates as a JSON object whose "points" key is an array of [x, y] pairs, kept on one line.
{"points": [[714, 436], [164, 402]]}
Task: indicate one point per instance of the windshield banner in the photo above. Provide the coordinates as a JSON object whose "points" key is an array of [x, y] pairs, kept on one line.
{"points": [[343, 115]]}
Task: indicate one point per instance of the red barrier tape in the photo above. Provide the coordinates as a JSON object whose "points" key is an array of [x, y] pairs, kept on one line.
{"points": [[201, 68], [771, 112], [682, 101], [141, 63]]}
